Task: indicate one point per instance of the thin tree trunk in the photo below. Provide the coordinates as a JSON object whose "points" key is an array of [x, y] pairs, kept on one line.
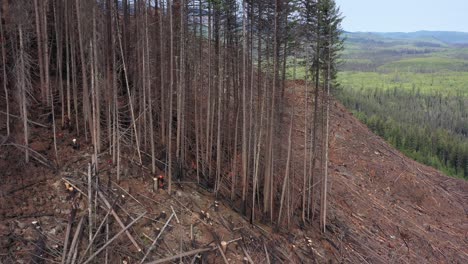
{"points": [[74, 84], [67, 59], [22, 79], [40, 50], [257, 159], [161, 65], [54, 132], [208, 102], [45, 46], [286, 174], [171, 85], [4, 72], [97, 94], [84, 80], [315, 127], [244, 106], [219, 117], [150, 98], [306, 128], [132, 112], [59, 58], [325, 175]]}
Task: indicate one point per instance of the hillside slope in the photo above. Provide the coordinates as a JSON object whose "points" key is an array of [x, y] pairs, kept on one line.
{"points": [[391, 208], [384, 208]]}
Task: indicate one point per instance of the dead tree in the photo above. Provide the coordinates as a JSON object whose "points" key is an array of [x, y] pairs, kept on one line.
{"points": [[4, 73]]}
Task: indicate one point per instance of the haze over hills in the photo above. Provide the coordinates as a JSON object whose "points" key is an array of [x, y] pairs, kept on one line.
{"points": [[446, 37]]}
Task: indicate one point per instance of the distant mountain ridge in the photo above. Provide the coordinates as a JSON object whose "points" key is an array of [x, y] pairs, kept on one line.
{"points": [[448, 37]]}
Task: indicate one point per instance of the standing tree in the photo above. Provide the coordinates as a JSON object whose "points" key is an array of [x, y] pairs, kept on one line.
{"points": [[329, 25], [4, 72]]}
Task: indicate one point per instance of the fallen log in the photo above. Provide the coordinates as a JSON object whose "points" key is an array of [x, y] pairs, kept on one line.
{"points": [[247, 255], [97, 231], [40, 158], [113, 238], [29, 121], [223, 255], [182, 255], [266, 253], [71, 218], [156, 239], [75, 240], [117, 218]]}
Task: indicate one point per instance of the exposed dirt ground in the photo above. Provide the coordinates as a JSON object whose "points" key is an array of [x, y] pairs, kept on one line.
{"points": [[383, 208], [394, 209]]}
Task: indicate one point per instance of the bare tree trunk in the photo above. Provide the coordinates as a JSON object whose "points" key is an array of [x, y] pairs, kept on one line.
{"points": [[257, 159], [306, 129], [45, 46], [323, 217], [180, 139], [74, 84], [4, 72], [171, 85], [234, 159], [267, 177], [198, 129], [314, 156], [208, 101], [67, 59], [108, 90], [97, 93], [54, 130], [40, 50], [150, 98], [219, 117], [162, 84], [59, 57], [84, 80], [269, 203], [90, 208], [94, 90], [244, 106], [286, 174], [132, 112], [22, 87]]}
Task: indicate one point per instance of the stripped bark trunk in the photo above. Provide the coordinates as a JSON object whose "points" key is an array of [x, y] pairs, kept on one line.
{"points": [[171, 85], [286, 174], [244, 106], [37, 11], [4, 74]]}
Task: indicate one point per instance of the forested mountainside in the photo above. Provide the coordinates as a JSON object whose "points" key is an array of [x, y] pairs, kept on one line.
{"points": [[412, 90]]}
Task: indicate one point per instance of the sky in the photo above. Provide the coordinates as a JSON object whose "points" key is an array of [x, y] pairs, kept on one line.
{"points": [[404, 15]]}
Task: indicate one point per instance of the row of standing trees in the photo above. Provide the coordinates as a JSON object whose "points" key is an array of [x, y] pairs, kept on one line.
{"points": [[184, 84], [435, 137]]}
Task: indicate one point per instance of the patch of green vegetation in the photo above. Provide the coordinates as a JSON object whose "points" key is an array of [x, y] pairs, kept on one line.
{"points": [[446, 83], [439, 149], [426, 65]]}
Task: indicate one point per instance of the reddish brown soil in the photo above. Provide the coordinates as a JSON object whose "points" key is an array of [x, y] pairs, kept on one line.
{"points": [[383, 207], [31, 192], [392, 209]]}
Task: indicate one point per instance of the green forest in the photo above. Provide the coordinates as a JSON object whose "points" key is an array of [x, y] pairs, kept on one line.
{"points": [[412, 92]]}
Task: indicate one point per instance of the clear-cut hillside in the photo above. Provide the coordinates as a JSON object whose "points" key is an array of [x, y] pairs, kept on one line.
{"points": [[383, 207]]}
